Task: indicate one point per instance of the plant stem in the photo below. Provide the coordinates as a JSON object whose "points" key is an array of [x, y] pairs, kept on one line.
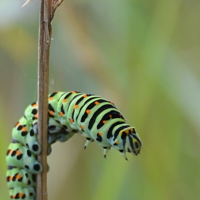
{"points": [[47, 11], [43, 84]]}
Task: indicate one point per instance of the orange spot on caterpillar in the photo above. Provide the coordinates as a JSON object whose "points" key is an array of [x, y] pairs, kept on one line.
{"points": [[18, 152], [71, 120], [64, 100], [21, 195], [126, 131], [51, 112], [87, 111], [36, 116], [100, 134], [121, 132], [18, 176], [9, 151], [10, 178], [12, 196], [85, 95], [117, 142], [104, 121], [96, 102], [24, 129], [34, 105], [110, 116], [17, 124], [50, 98], [73, 92], [76, 106], [61, 113], [82, 127]]}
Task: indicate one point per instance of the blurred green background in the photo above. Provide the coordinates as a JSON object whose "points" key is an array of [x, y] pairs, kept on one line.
{"points": [[142, 55]]}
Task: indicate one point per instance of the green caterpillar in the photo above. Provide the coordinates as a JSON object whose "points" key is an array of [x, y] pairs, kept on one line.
{"points": [[69, 112]]}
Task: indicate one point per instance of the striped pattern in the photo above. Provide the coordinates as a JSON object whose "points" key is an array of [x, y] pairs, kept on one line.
{"points": [[96, 118]]}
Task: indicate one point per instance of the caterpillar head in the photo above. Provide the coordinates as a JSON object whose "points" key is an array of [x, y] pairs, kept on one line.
{"points": [[128, 141], [131, 140]]}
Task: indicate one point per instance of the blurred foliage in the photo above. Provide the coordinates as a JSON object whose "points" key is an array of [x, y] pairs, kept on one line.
{"points": [[142, 55]]}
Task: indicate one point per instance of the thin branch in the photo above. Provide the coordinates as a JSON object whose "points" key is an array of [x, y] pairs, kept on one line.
{"points": [[56, 4], [43, 82], [47, 10]]}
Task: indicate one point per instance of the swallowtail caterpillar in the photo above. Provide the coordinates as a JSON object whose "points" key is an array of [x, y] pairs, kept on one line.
{"points": [[94, 117]]}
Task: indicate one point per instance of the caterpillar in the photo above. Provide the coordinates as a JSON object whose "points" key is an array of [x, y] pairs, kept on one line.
{"points": [[96, 118]]}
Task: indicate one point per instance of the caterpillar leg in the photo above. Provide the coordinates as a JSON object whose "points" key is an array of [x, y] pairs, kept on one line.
{"points": [[54, 126], [123, 154], [105, 151], [88, 141], [58, 132]]}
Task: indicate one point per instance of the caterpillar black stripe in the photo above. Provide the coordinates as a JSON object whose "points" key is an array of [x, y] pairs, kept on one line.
{"points": [[96, 118]]}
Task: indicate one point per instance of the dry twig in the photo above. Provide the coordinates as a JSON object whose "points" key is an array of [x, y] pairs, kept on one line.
{"points": [[47, 10]]}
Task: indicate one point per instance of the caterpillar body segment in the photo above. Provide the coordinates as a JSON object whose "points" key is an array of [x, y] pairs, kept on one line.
{"points": [[19, 177], [23, 193], [20, 156]]}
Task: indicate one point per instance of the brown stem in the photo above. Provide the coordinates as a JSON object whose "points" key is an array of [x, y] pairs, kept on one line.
{"points": [[55, 5], [47, 10], [43, 82]]}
